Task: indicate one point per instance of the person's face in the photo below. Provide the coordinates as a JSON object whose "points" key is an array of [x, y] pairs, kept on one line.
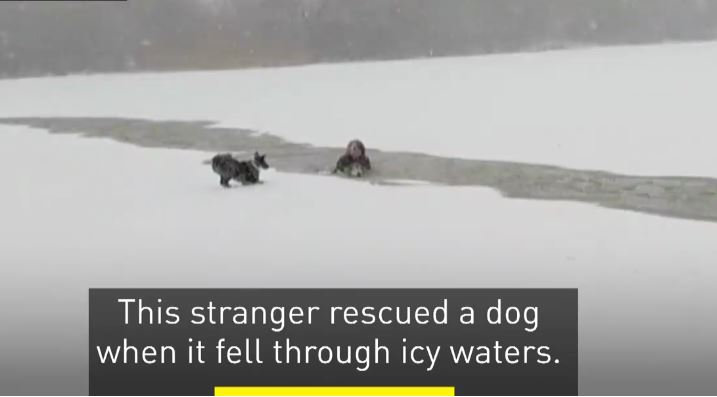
{"points": [[354, 150]]}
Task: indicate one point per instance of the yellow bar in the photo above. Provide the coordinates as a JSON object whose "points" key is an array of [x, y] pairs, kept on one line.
{"points": [[334, 391]]}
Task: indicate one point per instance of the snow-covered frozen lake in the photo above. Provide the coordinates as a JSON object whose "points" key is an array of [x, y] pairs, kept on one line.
{"points": [[77, 213]]}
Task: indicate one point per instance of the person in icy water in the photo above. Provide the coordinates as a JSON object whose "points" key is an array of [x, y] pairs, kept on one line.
{"points": [[354, 162]]}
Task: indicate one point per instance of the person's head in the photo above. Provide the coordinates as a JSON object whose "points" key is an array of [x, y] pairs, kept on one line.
{"points": [[356, 149]]}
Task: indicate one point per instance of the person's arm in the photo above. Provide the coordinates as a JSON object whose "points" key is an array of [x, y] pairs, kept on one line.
{"points": [[366, 162], [343, 162]]}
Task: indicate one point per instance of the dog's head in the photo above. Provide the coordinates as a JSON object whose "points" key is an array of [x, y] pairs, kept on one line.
{"points": [[356, 170], [260, 160]]}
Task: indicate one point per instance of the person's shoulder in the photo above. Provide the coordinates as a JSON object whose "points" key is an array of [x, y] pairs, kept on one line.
{"points": [[365, 161], [345, 158]]}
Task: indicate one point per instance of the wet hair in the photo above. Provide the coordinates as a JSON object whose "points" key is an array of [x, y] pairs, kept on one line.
{"points": [[358, 144]]}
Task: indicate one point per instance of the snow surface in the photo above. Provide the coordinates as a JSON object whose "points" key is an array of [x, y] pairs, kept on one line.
{"points": [[641, 110], [78, 213]]}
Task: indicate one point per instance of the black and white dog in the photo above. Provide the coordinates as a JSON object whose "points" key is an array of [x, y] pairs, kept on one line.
{"points": [[245, 172]]}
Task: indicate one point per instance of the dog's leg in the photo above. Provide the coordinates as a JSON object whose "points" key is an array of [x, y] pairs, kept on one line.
{"points": [[244, 180], [224, 181]]}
